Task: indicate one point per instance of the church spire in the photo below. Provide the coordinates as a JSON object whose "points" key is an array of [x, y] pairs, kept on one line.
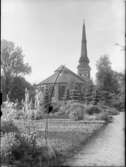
{"points": [[83, 67], [84, 57]]}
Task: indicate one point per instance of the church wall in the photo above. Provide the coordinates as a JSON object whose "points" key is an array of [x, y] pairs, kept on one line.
{"points": [[61, 91]]}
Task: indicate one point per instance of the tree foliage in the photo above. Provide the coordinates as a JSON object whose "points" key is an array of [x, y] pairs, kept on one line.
{"points": [[106, 79], [12, 60], [12, 65], [110, 84], [17, 90]]}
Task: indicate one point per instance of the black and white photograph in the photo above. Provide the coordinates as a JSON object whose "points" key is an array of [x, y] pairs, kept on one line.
{"points": [[62, 83]]}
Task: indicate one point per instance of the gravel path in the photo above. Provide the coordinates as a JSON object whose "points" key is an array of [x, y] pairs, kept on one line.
{"points": [[106, 149]]}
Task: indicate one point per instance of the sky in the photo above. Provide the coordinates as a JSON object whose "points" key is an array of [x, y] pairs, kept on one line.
{"points": [[50, 32]]}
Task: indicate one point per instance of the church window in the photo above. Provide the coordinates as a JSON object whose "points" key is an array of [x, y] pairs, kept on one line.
{"points": [[61, 91]]}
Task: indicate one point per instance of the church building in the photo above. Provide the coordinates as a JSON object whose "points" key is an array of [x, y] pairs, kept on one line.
{"points": [[64, 79]]}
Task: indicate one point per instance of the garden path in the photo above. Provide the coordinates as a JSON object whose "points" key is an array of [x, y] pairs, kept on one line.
{"points": [[105, 149]]}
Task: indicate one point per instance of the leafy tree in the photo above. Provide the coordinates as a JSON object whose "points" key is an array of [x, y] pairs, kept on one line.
{"points": [[106, 79], [12, 64], [107, 83], [17, 90]]}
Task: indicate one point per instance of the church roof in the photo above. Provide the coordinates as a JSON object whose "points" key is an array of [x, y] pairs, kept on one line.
{"points": [[63, 75]]}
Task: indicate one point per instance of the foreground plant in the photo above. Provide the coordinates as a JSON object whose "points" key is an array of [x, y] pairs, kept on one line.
{"points": [[22, 150], [8, 126]]}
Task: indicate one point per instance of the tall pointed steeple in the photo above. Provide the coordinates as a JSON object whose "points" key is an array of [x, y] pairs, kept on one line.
{"points": [[83, 67]]}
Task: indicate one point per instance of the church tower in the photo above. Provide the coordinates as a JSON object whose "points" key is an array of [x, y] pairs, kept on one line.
{"points": [[83, 67]]}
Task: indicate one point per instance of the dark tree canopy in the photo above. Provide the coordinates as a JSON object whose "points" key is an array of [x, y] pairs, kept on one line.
{"points": [[17, 90]]}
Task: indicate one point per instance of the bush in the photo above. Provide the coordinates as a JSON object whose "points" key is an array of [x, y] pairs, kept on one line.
{"points": [[104, 116], [8, 126], [113, 111], [88, 117], [76, 115], [7, 141], [75, 111], [73, 106], [120, 106], [93, 109], [8, 113], [23, 150], [72, 110], [59, 113], [12, 113], [110, 110]]}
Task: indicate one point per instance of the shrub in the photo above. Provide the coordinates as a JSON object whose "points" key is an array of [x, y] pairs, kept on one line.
{"points": [[75, 111], [62, 108], [76, 115], [12, 113], [59, 113], [72, 110], [8, 113], [110, 110], [104, 116], [24, 150], [7, 141], [90, 117], [113, 111], [8, 126], [119, 105], [93, 109], [73, 106]]}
